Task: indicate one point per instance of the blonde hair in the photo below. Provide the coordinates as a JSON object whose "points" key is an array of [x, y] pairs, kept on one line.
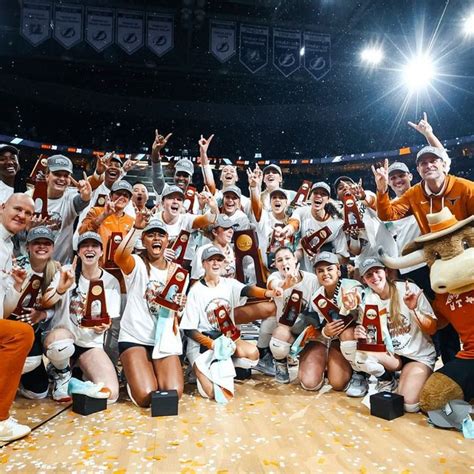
{"points": [[395, 321]]}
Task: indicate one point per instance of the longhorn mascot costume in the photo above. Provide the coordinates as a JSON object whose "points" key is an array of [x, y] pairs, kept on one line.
{"points": [[449, 252]]}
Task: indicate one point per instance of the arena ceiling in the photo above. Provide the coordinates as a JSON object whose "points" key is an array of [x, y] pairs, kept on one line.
{"points": [[52, 90]]}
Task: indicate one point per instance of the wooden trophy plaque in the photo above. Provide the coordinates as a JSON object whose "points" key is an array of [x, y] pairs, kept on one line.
{"points": [[330, 311], [301, 196], [40, 197], [180, 245], [175, 285], [276, 243], [189, 197], [28, 297], [101, 200], [96, 308], [39, 170], [292, 308], [246, 245], [227, 327], [352, 218], [371, 322], [113, 243], [312, 243]]}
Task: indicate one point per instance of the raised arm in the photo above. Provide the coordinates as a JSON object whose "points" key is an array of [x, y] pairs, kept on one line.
{"points": [[255, 186], [425, 128], [156, 167], [205, 166]]}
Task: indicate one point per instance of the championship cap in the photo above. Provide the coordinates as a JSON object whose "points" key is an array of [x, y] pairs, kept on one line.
{"points": [[398, 166], [41, 232], [224, 221], [122, 185], [4, 147], [155, 224], [59, 163], [279, 191], [184, 165], [212, 251], [327, 257], [89, 236], [232, 189], [169, 190], [321, 185], [369, 263], [272, 166]]}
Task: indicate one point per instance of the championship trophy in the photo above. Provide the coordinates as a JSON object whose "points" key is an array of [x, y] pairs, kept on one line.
{"points": [[113, 243], [312, 243], [180, 245], [189, 197], [40, 197], [330, 311], [276, 243], [300, 197], [371, 322], [292, 308], [39, 169], [101, 200], [352, 218], [246, 245], [28, 297], [227, 327], [175, 285], [96, 307]]}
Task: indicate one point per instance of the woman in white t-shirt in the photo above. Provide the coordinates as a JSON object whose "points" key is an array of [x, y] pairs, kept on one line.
{"points": [[71, 343], [407, 320], [213, 293], [222, 233], [319, 216], [149, 340]]}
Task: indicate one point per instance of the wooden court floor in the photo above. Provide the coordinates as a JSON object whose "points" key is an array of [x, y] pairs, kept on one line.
{"points": [[266, 428]]}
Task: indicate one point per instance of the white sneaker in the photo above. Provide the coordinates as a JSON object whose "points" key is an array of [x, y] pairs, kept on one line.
{"points": [[10, 430], [358, 385], [25, 393], [60, 383]]}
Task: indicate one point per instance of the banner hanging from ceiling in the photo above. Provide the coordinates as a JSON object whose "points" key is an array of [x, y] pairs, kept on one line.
{"points": [[99, 27], [68, 24], [160, 33], [317, 54], [36, 22], [130, 26], [222, 39], [253, 52], [286, 50]]}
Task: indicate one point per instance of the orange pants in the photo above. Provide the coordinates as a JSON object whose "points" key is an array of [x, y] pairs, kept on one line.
{"points": [[16, 340]]}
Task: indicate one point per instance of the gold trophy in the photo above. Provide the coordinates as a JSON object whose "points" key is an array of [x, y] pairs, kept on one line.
{"points": [[96, 308], [101, 200], [246, 245], [371, 321]]}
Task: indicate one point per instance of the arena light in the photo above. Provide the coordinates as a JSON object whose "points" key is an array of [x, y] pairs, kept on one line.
{"points": [[469, 25], [372, 56], [418, 73]]}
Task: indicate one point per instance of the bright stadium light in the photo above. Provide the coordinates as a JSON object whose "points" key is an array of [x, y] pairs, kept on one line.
{"points": [[469, 25], [372, 56], [418, 73]]}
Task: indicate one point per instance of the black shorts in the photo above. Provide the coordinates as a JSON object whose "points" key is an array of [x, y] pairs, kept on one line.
{"points": [[123, 346], [78, 351], [462, 372]]}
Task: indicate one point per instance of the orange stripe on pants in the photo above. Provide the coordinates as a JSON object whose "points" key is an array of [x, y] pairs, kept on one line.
{"points": [[16, 340]]}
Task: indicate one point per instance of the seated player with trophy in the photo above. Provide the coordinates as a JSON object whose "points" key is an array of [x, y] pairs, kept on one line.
{"points": [[84, 314], [393, 332]]}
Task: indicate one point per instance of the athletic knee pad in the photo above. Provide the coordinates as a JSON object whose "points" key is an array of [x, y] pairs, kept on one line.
{"points": [[313, 389], [348, 350], [368, 364], [280, 349], [411, 407], [60, 351], [31, 363], [244, 363]]}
